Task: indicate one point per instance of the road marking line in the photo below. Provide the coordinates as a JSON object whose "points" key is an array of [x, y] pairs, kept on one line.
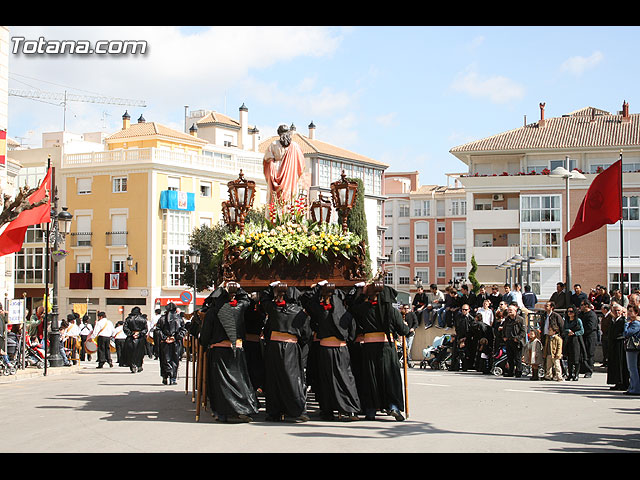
{"points": [[530, 391], [431, 384]]}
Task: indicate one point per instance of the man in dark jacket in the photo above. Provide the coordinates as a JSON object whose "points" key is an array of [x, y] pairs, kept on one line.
{"points": [[459, 353], [550, 319], [578, 296], [559, 297], [590, 335], [514, 337]]}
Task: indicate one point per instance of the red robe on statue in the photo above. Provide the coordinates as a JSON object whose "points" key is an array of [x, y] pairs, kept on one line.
{"points": [[282, 169]]}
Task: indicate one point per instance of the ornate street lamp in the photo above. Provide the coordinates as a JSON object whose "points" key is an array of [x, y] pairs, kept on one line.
{"points": [[343, 193], [241, 196], [194, 260], [321, 210], [57, 229]]}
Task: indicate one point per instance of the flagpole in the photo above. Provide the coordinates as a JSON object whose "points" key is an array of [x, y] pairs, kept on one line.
{"points": [[621, 233], [46, 288]]}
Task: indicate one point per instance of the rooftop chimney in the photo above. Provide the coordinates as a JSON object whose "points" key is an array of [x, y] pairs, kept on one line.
{"points": [[312, 131], [625, 112], [126, 119], [243, 137], [141, 119], [542, 121], [193, 131]]}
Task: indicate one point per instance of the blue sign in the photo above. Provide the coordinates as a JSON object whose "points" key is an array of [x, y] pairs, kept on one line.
{"points": [[186, 297]]}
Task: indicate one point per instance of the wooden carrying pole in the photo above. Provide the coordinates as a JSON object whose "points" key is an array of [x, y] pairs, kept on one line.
{"points": [[186, 373], [199, 380], [405, 361]]}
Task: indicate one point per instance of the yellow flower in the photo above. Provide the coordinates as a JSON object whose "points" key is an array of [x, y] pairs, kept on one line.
{"points": [[326, 248], [348, 246], [271, 250], [261, 252], [250, 249], [314, 248], [321, 234], [241, 247]]}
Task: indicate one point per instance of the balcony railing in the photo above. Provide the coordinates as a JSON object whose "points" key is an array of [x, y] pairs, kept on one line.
{"points": [[251, 166], [116, 239], [81, 239]]}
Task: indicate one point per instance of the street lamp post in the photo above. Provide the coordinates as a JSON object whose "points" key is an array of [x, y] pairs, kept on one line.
{"points": [[194, 260], [57, 229], [563, 172]]}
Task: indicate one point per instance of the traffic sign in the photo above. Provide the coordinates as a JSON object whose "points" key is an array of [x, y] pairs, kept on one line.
{"points": [[186, 297]]}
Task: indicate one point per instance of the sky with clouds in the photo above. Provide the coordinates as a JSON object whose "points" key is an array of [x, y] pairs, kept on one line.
{"points": [[403, 95]]}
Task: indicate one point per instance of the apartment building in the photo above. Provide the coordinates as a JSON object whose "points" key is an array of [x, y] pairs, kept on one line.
{"points": [[134, 205], [425, 236], [516, 207]]}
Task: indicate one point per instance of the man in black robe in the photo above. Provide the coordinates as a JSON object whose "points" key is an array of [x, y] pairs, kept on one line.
{"points": [[170, 331], [334, 327], [286, 331], [135, 328], [379, 320], [253, 344], [231, 394]]}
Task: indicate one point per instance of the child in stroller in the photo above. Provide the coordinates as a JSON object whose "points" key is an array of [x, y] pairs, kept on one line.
{"points": [[499, 361], [438, 355]]}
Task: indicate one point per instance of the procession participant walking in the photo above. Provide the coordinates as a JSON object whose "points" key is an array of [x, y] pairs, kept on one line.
{"points": [[379, 320], [254, 320], [85, 332], [170, 330], [335, 327], [102, 331], [135, 345], [119, 337], [286, 331], [461, 340], [229, 387], [73, 337]]}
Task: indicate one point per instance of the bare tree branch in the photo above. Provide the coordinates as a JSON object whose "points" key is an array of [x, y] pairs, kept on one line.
{"points": [[11, 208]]}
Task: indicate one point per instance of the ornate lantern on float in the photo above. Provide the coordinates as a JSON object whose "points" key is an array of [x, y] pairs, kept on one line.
{"points": [[230, 215], [321, 209], [241, 196], [343, 193]]}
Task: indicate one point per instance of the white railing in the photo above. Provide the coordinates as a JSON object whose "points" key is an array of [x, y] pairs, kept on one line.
{"points": [[251, 166]]}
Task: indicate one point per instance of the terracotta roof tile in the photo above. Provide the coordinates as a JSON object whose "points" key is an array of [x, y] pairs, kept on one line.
{"points": [[578, 129], [309, 146], [146, 129], [215, 117]]}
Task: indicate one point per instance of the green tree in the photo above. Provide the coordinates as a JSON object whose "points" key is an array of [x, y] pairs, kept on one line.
{"points": [[357, 223], [475, 285], [209, 242]]}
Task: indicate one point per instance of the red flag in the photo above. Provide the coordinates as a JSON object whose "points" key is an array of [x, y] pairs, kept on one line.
{"points": [[601, 205], [12, 238]]}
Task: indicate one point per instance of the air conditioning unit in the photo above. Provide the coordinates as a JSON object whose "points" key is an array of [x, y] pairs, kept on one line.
{"points": [[498, 198]]}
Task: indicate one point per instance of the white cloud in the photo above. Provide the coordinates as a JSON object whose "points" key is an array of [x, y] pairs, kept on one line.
{"points": [[497, 88], [578, 65], [179, 68], [386, 120], [477, 41]]}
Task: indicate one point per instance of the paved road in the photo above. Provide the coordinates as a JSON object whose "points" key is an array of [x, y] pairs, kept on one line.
{"points": [[112, 410]]}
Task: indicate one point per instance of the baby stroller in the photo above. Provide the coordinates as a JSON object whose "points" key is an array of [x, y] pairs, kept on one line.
{"points": [[7, 367], [438, 355], [33, 354], [500, 361]]}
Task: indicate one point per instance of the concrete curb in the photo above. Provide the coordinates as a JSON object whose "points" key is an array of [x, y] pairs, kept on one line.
{"points": [[33, 372]]}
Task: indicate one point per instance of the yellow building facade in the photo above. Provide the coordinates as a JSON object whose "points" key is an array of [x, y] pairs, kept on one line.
{"points": [[134, 206]]}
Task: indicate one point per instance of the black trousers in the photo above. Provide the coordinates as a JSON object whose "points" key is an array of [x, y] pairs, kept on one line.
{"points": [[83, 352], [590, 341], [514, 358], [104, 353]]}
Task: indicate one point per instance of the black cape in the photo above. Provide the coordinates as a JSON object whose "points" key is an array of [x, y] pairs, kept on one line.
{"points": [[381, 382], [334, 382], [285, 386], [228, 383], [134, 349], [170, 324]]}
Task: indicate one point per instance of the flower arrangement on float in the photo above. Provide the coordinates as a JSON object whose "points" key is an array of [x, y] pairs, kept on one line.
{"points": [[288, 234]]}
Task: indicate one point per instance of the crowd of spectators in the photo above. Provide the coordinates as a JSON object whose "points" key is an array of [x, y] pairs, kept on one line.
{"points": [[558, 337]]}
